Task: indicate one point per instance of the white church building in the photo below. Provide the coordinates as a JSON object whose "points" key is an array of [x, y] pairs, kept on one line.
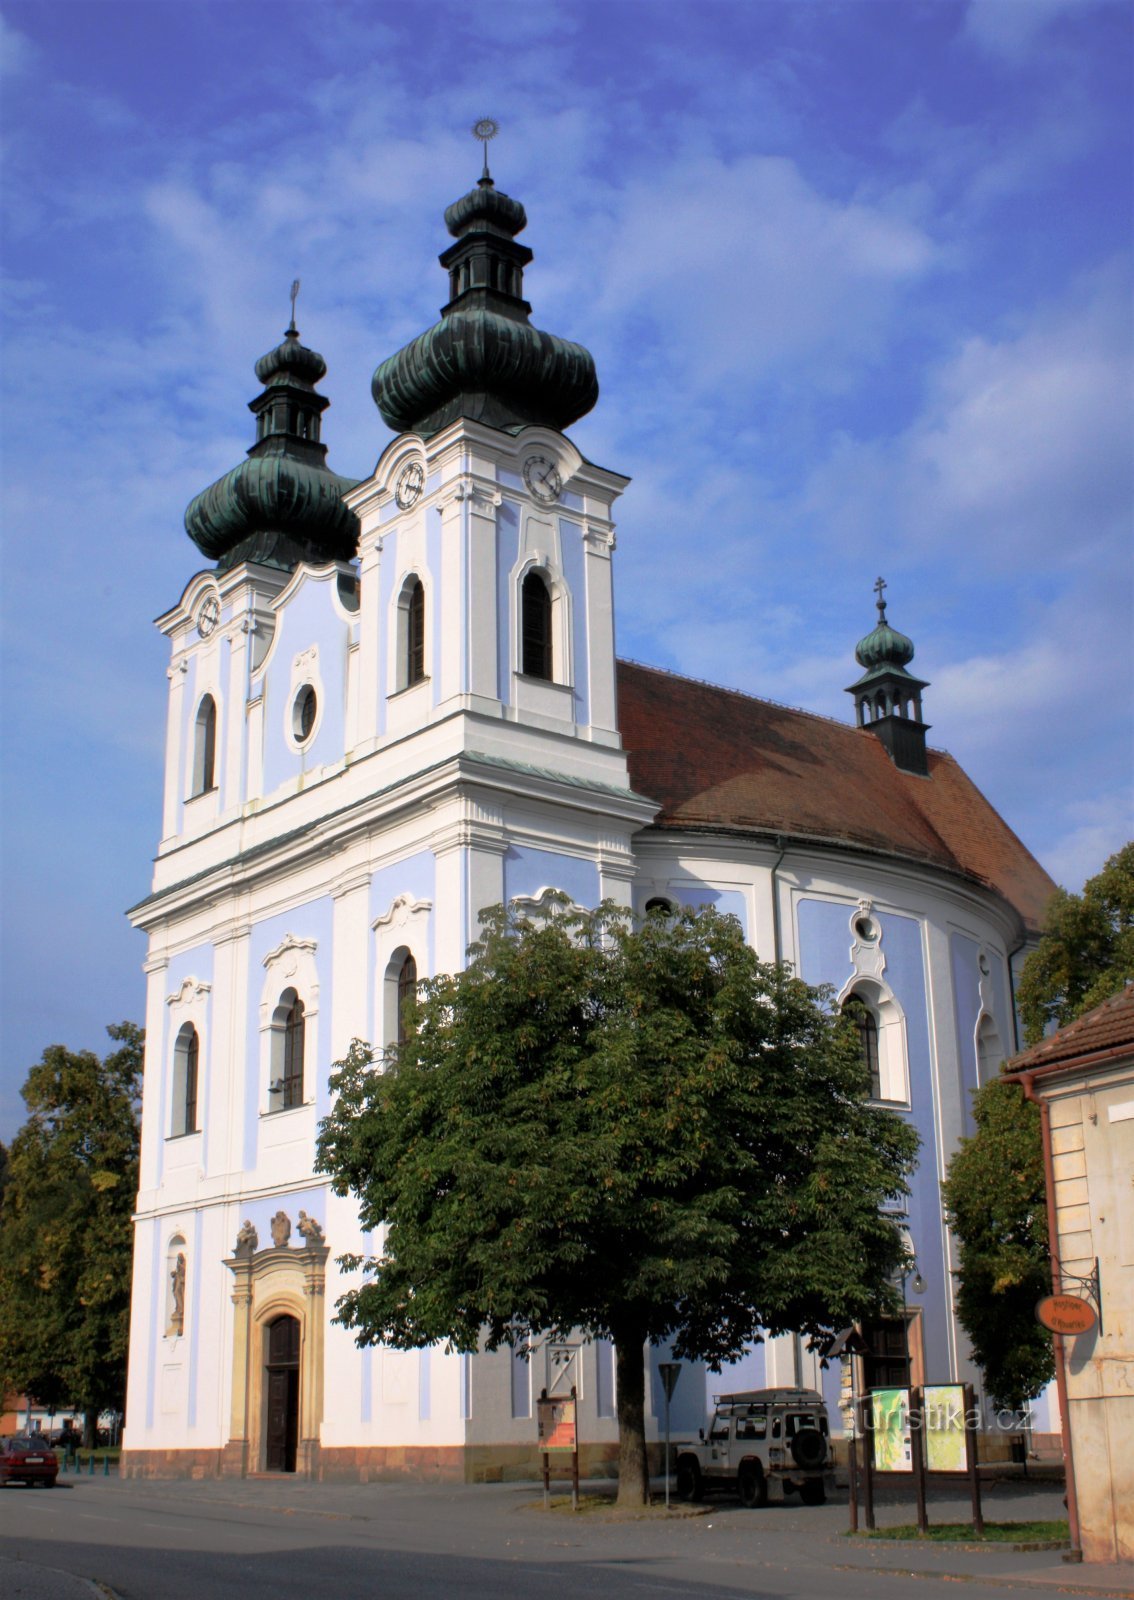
{"points": [[395, 702]]}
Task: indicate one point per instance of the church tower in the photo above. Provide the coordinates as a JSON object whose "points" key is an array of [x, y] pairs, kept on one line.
{"points": [[392, 704], [887, 698]]}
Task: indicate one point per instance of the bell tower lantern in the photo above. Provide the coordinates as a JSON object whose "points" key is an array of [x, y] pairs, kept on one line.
{"points": [[887, 698]]}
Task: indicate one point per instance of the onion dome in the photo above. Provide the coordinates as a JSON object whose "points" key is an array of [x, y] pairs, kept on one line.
{"points": [[283, 505], [484, 360]]}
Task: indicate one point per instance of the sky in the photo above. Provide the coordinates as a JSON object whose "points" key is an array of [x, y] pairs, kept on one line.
{"points": [[856, 277]]}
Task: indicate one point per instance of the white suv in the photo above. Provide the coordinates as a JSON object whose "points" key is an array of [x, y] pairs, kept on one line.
{"points": [[761, 1443]]}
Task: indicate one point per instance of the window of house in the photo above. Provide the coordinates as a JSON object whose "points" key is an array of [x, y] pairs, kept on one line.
{"points": [[186, 1055], [886, 1362], [413, 642], [303, 714], [288, 1038], [407, 990], [205, 746], [535, 628], [866, 1026]]}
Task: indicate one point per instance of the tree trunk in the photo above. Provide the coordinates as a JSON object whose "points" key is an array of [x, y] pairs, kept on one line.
{"points": [[633, 1467], [90, 1423]]}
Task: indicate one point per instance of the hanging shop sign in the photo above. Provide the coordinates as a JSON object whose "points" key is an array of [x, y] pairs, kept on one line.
{"points": [[1065, 1313]]}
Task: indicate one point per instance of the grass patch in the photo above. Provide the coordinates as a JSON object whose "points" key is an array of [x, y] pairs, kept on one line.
{"points": [[1028, 1533]]}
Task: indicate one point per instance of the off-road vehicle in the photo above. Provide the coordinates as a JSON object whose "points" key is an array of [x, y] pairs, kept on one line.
{"points": [[765, 1443]]}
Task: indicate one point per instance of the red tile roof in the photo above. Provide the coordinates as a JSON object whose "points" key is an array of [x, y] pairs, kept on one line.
{"points": [[1107, 1027], [716, 760]]}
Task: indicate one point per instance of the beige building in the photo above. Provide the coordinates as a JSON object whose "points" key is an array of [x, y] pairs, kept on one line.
{"points": [[1083, 1080]]}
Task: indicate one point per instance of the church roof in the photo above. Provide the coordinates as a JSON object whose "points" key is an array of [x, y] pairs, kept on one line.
{"points": [[719, 760]]}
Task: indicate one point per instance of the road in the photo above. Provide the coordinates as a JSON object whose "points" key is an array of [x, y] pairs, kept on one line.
{"points": [[273, 1539]]}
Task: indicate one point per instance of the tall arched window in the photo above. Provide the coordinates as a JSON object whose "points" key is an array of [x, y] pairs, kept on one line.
{"points": [[293, 1055], [205, 746], [535, 627], [407, 990], [186, 1057], [866, 1025], [288, 1038], [411, 633]]}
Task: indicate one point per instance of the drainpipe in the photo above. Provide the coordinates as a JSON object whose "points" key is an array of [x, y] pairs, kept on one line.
{"points": [[1027, 1080]]}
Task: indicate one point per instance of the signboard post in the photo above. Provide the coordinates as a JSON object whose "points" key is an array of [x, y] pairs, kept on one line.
{"points": [[558, 1432], [917, 1456], [670, 1372]]}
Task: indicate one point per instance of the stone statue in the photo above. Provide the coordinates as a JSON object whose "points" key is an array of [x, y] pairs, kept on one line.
{"points": [[177, 1312], [281, 1230], [247, 1240], [309, 1229]]}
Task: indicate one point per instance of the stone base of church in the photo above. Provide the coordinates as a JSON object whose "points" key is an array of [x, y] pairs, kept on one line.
{"points": [[480, 1463]]}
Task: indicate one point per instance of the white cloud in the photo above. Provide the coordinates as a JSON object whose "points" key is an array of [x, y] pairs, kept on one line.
{"points": [[1009, 29], [17, 52], [743, 268]]}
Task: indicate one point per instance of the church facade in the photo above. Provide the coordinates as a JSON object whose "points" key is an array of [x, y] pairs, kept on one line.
{"points": [[395, 702]]}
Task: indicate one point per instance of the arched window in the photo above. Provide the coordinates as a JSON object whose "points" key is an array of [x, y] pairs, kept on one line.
{"points": [[288, 1037], [205, 746], [407, 990], [990, 1052], [866, 1025], [535, 628], [661, 905], [186, 1056], [411, 634]]}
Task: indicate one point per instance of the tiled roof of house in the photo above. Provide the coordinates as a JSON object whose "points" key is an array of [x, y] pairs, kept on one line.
{"points": [[717, 759], [1106, 1027]]}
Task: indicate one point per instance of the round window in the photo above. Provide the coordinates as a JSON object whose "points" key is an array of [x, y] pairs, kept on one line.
{"points": [[303, 713], [866, 929]]}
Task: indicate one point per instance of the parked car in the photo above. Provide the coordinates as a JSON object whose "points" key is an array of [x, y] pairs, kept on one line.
{"points": [[764, 1443], [28, 1458]]}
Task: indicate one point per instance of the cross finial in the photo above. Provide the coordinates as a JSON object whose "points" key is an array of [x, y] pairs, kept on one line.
{"points": [[294, 293], [484, 129], [879, 586]]}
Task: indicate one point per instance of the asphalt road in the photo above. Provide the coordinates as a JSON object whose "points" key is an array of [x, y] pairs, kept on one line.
{"points": [[274, 1539]]}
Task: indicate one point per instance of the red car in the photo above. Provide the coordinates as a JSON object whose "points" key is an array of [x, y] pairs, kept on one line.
{"points": [[28, 1459]]}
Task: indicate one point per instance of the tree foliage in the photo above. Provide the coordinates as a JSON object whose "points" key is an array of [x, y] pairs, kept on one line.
{"points": [[1086, 953], [640, 1133], [65, 1227], [996, 1205]]}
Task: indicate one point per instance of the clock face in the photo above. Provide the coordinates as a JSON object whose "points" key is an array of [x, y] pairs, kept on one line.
{"points": [[542, 477], [208, 616], [411, 481]]}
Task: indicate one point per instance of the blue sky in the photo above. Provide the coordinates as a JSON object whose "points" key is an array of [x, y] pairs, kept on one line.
{"points": [[856, 277]]}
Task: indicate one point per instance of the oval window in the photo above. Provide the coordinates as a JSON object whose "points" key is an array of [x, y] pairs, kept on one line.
{"points": [[303, 713]]}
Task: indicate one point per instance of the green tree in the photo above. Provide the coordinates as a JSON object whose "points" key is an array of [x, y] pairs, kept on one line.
{"points": [[996, 1205], [65, 1229], [646, 1134], [1086, 953]]}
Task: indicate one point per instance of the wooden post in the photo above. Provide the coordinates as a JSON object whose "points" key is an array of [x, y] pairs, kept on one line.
{"points": [[917, 1455], [852, 1461], [971, 1455], [867, 1462], [575, 1454]]}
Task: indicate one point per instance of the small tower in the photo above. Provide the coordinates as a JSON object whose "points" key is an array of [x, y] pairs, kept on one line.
{"points": [[887, 698]]}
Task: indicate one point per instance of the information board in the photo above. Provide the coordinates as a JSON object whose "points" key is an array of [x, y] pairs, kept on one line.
{"points": [[556, 1424], [946, 1442], [890, 1429]]}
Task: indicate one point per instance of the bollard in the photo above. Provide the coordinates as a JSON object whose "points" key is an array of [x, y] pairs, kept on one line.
{"points": [[106, 1466], [90, 1473]]}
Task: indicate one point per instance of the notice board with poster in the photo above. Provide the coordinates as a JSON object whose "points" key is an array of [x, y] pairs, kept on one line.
{"points": [[890, 1430], [946, 1438], [556, 1424]]}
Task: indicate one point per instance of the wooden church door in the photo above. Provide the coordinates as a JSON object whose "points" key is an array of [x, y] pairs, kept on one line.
{"points": [[282, 1395]]}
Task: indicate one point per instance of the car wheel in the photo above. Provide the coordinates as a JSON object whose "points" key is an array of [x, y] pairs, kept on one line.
{"points": [[752, 1486], [809, 1448], [812, 1492], [689, 1485]]}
